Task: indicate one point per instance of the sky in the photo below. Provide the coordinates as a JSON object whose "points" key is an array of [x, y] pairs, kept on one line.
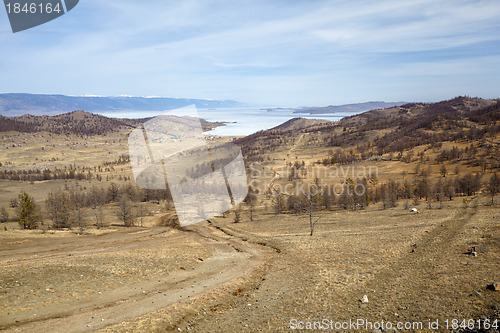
{"points": [[267, 52]]}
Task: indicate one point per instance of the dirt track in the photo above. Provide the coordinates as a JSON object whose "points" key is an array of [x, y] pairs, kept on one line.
{"points": [[413, 267], [228, 260]]}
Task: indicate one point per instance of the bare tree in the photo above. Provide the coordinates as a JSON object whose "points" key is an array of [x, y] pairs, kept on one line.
{"points": [[493, 186], [311, 207], [14, 203], [237, 215], [443, 170], [328, 198], [99, 217], [59, 207], [278, 202], [79, 218], [307, 203], [390, 193], [140, 213], [430, 196], [4, 215], [251, 201], [125, 211]]}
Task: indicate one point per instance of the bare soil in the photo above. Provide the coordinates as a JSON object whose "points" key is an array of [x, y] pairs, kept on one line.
{"points": [[255, 276]]}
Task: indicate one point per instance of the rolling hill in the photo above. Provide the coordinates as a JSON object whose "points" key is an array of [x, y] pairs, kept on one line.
{"points": [[393, 131], [76, 122]]}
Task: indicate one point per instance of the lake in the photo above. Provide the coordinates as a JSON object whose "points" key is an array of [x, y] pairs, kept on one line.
{"points": [[242, 121]]}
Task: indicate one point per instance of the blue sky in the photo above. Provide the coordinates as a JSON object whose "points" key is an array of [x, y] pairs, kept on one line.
{"points": [[270, 52]]}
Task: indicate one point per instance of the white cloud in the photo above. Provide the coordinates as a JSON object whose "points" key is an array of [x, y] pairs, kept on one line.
{"points": [[253, 50]]}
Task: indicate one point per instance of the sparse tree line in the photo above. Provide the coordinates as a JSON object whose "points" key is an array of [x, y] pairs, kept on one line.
{"points": [[471, 155], [72, 171], [410, 138], [70, 208], [65, 208], [357, 194], [254, 147]]}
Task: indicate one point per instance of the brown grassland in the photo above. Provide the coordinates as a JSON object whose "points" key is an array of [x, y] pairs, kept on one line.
{"points": [[265, 272]]}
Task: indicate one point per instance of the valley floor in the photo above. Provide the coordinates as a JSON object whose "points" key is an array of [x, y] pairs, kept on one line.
{"points": [[265, 275]]}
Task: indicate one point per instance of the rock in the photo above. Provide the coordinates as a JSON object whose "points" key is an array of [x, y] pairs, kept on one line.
{"points": [[363, 306], [476, 227], [494, 286], [475, 293], [377, 331], [474, 254], [364, 299]]}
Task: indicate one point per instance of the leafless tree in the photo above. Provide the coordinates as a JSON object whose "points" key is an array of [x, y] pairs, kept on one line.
{"points": [[493, 186], [307, 203], [278, 202], [99, 217], [4, 215], [443, 170], [390, 194], [140, 213], [125, 212], [59, 208], [251, 201], [79, 218]]}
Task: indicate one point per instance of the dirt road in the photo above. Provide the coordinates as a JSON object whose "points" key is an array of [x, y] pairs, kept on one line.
{"points": [[227, 260]]}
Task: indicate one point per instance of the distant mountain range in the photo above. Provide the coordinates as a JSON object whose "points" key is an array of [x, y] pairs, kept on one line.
{"points": [[34, 104], [358, 108]]}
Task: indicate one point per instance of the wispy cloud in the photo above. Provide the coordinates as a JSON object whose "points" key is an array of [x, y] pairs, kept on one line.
{"points": [[281, 52]]}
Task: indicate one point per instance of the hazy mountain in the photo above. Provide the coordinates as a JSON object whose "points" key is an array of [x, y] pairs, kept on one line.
{"points": [[359, 107], [19, 104]]}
